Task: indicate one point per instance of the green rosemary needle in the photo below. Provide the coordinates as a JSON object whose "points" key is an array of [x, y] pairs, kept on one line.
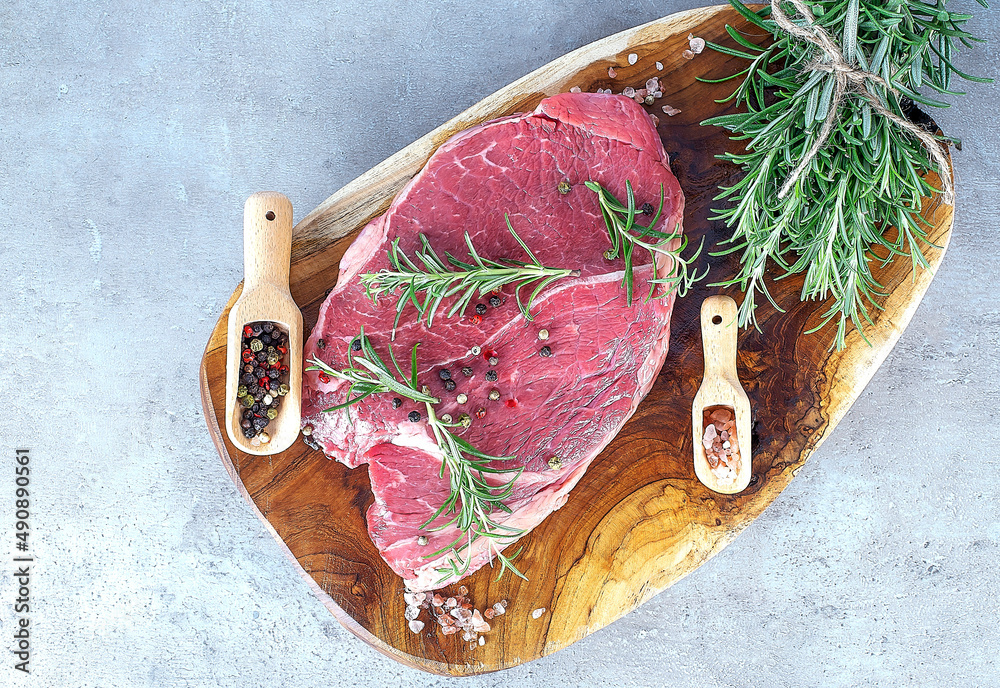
{"points": [[625, 234], [438, 279]]}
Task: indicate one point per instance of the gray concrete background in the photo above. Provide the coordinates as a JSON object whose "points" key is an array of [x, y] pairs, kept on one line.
{"points": [[131, 135]]}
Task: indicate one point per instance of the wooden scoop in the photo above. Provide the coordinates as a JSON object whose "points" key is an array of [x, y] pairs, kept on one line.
{"points": [[721, 388], [267, 251]]}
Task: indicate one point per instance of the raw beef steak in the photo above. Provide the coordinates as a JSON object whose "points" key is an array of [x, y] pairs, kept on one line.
{"points": [[604, 354]]}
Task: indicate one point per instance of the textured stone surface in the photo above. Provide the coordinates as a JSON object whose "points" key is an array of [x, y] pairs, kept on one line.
{"points": [[131, 135]]}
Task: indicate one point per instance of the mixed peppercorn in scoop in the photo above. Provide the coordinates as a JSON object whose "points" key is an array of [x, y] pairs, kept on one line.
{"points": [[263, 378]]}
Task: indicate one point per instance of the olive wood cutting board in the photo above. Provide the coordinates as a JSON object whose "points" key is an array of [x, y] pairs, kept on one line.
{"points": [[639, 520]]}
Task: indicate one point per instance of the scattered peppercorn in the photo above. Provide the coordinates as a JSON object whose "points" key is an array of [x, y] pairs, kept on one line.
{"points": [[545, 352], [422, 540], [449, 385], [396, 402], [476, 319], [494, 360], [564, 187], [467, 371], [543, 334], [555, 463], [356, 345], [475, 350], [444, 374], [464, 420], [495, 394], [414, 416], [481, 413], [462, 398], [446, 417], [491, 375], [307, 430], [494, 301], [647, 208], [481, 308], [320, 343]]}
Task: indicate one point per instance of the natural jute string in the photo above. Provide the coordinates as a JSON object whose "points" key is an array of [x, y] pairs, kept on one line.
{"points": [[848, 75]]}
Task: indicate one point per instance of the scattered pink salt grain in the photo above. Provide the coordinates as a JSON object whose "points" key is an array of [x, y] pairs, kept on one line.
{"points": [[538, 612], [670, 111], [629, 92], [450, 630], [656, 120], [576, 89], [652, 85], [482, 641], [500, 608], [696, 44], [612, 73], [416, 626], [437, 600], [489, 613], [687, 55], [451, 602], [632, 58], [478, 623], [659, 66]]}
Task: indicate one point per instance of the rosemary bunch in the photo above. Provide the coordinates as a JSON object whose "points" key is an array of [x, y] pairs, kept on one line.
{"points": [[472, 499], [439, 279], [625, 234], [867, 175]]}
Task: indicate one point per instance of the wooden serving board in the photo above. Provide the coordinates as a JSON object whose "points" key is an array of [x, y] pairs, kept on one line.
{"points": [[639, 520]]}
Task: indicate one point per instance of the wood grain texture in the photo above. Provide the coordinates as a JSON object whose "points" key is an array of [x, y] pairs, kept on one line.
{"points": [[639, 520]]}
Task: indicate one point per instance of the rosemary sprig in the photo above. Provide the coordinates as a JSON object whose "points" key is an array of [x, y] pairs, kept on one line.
{"points": [[439, 279], [868, 175], [471, 499], [368, 374], [625, 234]]}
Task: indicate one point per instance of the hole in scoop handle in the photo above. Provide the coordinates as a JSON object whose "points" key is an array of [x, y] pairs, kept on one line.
{"points": [[718, 335], [267, 240]]}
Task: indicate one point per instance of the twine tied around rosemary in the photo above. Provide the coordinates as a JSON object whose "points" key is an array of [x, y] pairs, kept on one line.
{"points": [[850, 77]]}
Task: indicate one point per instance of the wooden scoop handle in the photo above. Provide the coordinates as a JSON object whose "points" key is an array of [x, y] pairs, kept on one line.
{"points": [[267, 240], [718, 335]]}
